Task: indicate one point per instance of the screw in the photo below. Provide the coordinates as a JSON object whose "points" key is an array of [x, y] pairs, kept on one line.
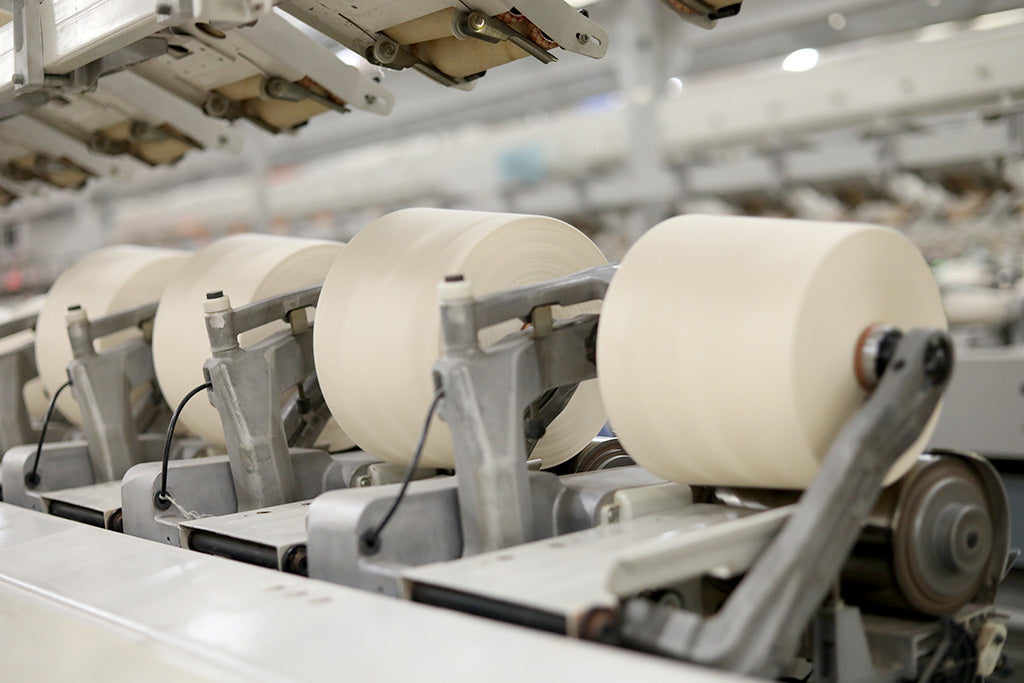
{"points": [[387, 49], [583, 38], [364, 481], [477, 21], [370, 99]]}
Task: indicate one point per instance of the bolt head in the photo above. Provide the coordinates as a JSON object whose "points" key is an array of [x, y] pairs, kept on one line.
{"points": [[583, 38], [477, 21]]}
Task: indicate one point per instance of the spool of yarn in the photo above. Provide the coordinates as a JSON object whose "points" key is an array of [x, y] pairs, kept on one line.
{"points": [[378, 327], [105, 281], [726, 344], [247, 268]]}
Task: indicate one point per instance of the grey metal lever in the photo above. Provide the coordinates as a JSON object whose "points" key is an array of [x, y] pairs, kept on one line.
{"points": [[758, 629]]}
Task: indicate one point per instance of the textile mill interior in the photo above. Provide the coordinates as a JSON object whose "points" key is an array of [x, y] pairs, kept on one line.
{"points": [[481, 340]]}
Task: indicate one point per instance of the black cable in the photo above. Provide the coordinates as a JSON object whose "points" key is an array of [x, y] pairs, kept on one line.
{"points": [[162, 500], [32, 478], [369, 541]]}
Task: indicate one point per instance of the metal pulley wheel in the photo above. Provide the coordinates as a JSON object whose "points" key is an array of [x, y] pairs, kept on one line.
{"points": [[601, 454], [937, 539]]}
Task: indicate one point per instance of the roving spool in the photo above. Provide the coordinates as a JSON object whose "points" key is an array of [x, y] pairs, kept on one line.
{"points": [[936, 539], [108, 280], [378, 329], [247, 268], [726, 346]]}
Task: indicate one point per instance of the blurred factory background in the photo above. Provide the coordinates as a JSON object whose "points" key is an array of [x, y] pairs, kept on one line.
{"points": [[908, 113]]}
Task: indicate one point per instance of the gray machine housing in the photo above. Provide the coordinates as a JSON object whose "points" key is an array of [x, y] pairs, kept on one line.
{"points": [[489, 543]]}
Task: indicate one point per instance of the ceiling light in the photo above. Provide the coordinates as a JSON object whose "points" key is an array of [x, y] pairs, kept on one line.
{"points": [[803, 59]]}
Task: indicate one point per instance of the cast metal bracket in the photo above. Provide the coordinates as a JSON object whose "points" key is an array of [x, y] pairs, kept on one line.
{"points": [[103, 384], [498, 401], [247, 389], [33, 86]]}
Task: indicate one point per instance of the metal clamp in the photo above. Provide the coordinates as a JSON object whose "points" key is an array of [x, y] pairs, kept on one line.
{"points": [[490, 30], [281, 89], [387, 52]]}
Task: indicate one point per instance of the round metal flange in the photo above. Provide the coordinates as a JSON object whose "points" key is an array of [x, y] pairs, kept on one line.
{"points": [[943, 535]]}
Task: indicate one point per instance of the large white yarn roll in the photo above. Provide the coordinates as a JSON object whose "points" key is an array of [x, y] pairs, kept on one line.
{"points": [[378, 329], [726, 344], [106, 281], [246, 268]]}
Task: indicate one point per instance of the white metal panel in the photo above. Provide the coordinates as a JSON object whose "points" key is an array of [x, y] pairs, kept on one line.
{"points": [[224, 616], [76, 32], [899, 79], [377, 15]]}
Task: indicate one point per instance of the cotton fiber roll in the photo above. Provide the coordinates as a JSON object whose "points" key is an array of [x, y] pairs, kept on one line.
{"points": [[106, 281], [726, 345], [247, 268], [378, 327]]}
